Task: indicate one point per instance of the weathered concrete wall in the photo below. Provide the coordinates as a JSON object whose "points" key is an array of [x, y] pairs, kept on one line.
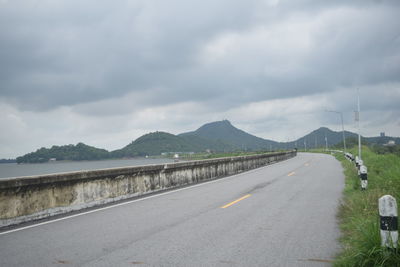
{"points": [[28, 198]]}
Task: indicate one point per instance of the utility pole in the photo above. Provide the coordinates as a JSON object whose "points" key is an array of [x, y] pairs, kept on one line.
{"points": [[341, 118], [326, 143], [344, 138], [305, 145], [358, 120]]}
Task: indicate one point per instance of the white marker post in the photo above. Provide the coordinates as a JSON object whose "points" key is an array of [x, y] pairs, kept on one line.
{"points": [[360, 163], [388, 221], [363, 177], [349, 156]]}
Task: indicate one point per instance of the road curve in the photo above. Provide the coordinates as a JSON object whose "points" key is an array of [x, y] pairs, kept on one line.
{"points": [[279, 215]]}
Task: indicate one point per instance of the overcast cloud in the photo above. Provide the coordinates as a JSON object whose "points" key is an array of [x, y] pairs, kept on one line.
{"points": [[106, 72]]}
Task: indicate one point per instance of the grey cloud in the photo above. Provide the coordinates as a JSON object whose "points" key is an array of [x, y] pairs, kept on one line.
{"points": [[132, 64], [66, 58], [73, 52]]}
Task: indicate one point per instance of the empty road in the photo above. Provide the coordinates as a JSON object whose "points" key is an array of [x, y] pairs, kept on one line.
{"points": [[279, 215]]}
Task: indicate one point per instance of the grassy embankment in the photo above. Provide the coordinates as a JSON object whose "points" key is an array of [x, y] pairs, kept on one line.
{"points": [[358, 214]]}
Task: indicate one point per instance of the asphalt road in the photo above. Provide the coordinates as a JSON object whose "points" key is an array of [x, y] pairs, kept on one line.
{"points": [[278, 215]]}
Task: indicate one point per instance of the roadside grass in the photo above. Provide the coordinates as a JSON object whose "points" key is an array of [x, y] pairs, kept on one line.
{"points": [[358, 213]]}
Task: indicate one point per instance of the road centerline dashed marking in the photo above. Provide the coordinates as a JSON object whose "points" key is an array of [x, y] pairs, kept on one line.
{"points": [[236, 201], [290, 174]]}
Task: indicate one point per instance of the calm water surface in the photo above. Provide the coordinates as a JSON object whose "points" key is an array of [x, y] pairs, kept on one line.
{"points": [[17, 170]]}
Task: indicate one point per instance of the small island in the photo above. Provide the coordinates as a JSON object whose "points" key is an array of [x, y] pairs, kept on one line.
{"points": [[8, 160]]}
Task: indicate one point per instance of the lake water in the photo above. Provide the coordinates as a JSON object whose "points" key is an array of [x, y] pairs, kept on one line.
{"points": [[17, 170]]}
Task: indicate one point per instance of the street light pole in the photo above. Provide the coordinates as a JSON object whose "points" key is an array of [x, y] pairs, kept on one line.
{"points": [[344, 138], [341, 118], [326, 143], [358, 120]]}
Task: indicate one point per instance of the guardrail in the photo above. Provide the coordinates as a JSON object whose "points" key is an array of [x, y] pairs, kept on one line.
{"points": [[28, 198]]}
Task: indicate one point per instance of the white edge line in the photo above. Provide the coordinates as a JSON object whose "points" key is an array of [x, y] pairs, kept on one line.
{"points": [[135, 200]]}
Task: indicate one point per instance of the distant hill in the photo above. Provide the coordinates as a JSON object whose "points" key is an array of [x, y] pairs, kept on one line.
{"points": [[162, 142], [8, 160], [155, 144], [203, 144], [220, 136], [316, 139], [233, 138], [67, 152]]}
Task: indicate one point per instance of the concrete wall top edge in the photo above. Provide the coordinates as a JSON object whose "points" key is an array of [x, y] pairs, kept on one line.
{"points": [[114, 172], [76, 175], [220, 160]]}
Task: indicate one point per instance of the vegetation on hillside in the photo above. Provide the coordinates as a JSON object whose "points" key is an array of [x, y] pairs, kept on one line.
{"points": [[386, 149], [220, 136], [214, 137], [155, 144], [351, 142], [68, 152], [230, 137], [359, 220], [203, 144]]}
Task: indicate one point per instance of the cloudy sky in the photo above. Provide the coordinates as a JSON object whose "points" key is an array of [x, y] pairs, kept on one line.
{"points": [[106, 72]]}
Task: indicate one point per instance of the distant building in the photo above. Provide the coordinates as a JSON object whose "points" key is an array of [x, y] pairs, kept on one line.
{"points": [[52, 159], [382, 134], [391, 143]]}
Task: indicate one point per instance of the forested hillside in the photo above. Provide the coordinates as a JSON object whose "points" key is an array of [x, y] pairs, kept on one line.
{"points": [[220, 136], [67, 152]]}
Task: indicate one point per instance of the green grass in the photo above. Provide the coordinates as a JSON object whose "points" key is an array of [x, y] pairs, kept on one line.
{"points": [[358, 213]]}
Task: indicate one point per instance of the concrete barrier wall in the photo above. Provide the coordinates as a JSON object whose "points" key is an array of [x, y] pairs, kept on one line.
{"points": [[28, 198]]}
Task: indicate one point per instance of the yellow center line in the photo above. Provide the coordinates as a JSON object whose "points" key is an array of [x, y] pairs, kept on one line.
{"points": [[236, 201], [290, 174]]}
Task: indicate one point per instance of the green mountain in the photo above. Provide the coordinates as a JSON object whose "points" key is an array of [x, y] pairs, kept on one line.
{"points": [[316, 139], [220, 136], [229, 137], [203, 144], [155, 144], [161, 142], [67, 152]]}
